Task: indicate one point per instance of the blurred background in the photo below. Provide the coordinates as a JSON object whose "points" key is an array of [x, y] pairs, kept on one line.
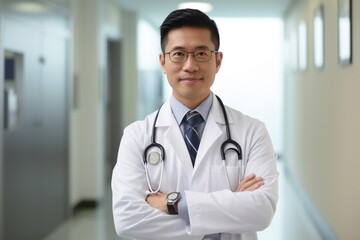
{"points": [[75, 72]]}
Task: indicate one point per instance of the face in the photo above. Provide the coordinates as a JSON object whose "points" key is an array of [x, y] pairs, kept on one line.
{"points": [[190, 80]]}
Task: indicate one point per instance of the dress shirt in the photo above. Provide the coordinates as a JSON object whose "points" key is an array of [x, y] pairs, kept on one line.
{"points": [[179, 111]]}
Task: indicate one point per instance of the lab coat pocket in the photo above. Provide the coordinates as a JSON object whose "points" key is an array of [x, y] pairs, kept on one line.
{"points": [[219, 181]]}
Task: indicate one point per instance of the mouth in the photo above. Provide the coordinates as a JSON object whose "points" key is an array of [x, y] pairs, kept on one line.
{"points": [[190, 79]]}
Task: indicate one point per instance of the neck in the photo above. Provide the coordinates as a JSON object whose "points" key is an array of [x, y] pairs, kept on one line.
{"points": [[192, 103]]}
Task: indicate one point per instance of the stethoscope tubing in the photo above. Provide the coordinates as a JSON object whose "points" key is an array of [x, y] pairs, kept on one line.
{"points": [[151, 190], [229, 141]]}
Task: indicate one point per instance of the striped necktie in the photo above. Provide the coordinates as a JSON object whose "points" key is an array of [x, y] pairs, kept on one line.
{"points": [[192, 138]]}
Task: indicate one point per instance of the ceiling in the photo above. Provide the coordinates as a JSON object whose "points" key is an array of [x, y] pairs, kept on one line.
{"points": [[37, 8], [156, 10]]}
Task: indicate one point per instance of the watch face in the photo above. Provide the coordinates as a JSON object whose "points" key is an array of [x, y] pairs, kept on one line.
{"points": [[173, 196]]}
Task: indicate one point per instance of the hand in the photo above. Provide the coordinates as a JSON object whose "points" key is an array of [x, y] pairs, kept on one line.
{"points": [[157, 200], [250, 183]]}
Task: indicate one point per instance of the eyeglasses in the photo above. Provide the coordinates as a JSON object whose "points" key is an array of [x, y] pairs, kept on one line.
{"points": [[180, 56]]}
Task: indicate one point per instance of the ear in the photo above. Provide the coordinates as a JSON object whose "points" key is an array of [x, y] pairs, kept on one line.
{"points": [[219, 57], [162, 62]]}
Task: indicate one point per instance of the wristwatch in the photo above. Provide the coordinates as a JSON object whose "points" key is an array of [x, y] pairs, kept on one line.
{"points": [[171, 199]]}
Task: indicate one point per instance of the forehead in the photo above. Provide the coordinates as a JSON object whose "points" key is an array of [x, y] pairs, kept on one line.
{"points": [[189, 38]]}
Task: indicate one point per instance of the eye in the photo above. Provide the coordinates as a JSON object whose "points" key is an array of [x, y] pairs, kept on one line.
{"points": [[201, 53], [177, 54]]}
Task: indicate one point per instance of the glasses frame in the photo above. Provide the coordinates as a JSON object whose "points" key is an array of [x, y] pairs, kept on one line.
{"points": [[193, 55]]}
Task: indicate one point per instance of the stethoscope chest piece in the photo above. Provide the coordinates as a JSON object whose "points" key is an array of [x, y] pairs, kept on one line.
{"points": [[158, 155], [154, 158]]}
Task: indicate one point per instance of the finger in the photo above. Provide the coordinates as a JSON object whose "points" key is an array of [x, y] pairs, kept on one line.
{"points": [[248, 178], [245, 181], [250, 184], [255, 186], [248, 187]]}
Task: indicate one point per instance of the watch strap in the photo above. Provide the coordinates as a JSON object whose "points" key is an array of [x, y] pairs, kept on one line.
{"points": [[171, 208]]}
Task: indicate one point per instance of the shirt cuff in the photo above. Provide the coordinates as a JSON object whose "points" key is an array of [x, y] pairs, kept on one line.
{"points": [[183, 209]]}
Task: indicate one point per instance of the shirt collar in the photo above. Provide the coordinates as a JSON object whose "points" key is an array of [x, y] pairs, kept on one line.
{"points": [[179, 110]]}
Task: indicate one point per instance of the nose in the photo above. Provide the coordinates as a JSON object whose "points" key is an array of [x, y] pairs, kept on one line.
{"points": [[190, 65]]}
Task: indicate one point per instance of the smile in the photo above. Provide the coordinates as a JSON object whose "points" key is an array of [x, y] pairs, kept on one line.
{"points": [[190, 79]]}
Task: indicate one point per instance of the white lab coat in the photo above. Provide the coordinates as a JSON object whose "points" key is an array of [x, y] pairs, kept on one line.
{"points": [[212, 207]]}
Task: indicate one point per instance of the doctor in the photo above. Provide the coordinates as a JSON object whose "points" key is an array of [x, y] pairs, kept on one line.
{"points": [[177, 190]]}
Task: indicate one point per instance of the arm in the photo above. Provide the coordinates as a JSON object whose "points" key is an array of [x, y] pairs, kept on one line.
{"points": [[245, 211], [249, 209], [133, 217], [250, 183]]}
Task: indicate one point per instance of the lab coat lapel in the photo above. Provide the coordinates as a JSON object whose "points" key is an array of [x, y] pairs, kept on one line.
{"points": [[174, 137], [211, 133]]}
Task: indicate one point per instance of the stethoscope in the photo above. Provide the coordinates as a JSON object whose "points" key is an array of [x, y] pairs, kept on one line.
{"points": [[155, 157]]}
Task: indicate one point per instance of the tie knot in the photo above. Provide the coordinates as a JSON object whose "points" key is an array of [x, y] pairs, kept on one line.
{"points": [[193, 118]]}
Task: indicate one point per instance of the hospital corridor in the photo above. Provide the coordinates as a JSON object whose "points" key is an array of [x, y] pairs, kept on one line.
{"points": [[97, 224], [75, 73]]}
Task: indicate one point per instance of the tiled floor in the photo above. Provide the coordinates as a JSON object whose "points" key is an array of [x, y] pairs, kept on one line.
{"points": [[98, 225], [88, 225]]}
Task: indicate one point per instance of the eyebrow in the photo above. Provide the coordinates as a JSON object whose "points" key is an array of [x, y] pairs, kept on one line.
{"points": [[201, 47]]}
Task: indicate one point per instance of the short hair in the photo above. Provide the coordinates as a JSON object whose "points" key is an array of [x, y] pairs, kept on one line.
{"points": [[188, 18]]}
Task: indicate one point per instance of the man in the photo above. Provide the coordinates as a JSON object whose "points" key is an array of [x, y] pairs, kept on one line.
{"points": [[192, 194]]}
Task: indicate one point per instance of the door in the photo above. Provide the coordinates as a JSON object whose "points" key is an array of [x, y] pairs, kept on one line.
{"points": [[35, 139], [113, 103]]}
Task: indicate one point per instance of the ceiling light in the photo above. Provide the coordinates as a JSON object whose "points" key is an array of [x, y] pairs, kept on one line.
{"points": [[29, 7], [202, 6]]}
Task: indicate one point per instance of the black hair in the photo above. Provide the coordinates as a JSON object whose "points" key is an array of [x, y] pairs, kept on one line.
{"points": [[188, 18]]}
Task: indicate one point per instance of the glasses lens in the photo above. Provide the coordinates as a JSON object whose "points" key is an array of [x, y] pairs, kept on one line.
{"points": [[178, 56], [202, 55]]}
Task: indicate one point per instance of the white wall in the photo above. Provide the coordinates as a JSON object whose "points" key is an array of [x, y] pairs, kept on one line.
{"points": [[150, 76], [322, 118], [94, 22], [84, 150], [129, 69], [251, 76]]}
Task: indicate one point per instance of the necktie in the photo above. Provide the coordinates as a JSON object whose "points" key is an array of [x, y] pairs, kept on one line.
{"points": [[192, 138]]}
